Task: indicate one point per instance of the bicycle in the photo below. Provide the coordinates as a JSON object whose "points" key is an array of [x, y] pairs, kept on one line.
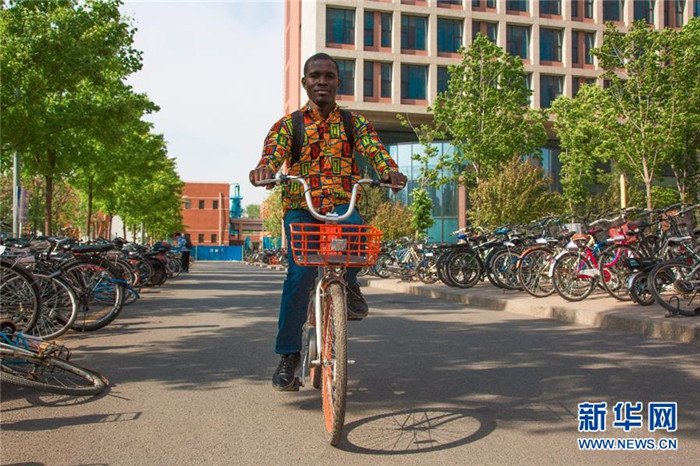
{"points": [[332, 248], [32, 362]]}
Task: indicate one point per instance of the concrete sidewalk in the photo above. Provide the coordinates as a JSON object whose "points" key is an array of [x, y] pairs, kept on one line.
{"points": [[598, 310]]}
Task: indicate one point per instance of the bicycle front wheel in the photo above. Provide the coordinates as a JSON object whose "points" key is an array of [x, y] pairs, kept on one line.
{"points": [[573, 277], [59, 307], [334, 361], [48, 373], [675, 286], [20, 301]]}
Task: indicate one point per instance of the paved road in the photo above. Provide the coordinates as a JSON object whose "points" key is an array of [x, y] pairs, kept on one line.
{"points": [[434, 383]]}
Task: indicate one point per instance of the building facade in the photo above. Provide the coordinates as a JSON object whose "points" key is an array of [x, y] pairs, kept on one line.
{"points": [[205, 213], [393, 54]]}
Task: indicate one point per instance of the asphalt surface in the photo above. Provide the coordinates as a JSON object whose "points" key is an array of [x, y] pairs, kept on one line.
{"points": [[435, 382]]}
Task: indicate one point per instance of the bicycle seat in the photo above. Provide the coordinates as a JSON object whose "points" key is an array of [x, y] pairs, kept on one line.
{"points": [[86, 248], [637, 224]]}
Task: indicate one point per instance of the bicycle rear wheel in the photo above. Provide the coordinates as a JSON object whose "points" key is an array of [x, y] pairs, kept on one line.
{"points": [[334, 361], [48, 373]]}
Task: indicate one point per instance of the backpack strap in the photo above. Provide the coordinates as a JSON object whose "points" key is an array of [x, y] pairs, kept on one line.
{"points": [[297, 135], [348, 124], [298, 132]]}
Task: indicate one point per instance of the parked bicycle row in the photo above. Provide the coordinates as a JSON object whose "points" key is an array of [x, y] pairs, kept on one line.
{"points": [[634, 254], [49, 286]]}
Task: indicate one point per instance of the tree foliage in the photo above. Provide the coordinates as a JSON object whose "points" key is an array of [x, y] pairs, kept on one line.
{"points": [[252, 211], [653, 91], [394, 219], [580, 124], [67, 109], [485, 112], [272, 212], [519, 193]]}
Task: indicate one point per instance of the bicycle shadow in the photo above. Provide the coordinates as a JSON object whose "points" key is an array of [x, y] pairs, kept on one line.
{"points": [[417, 430]]}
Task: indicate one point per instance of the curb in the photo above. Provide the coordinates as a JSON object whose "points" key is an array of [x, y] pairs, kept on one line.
{"points": [[266, 266], [597, 311]]}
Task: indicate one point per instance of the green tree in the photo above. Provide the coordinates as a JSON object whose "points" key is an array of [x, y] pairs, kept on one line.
{"points": [[55, 58], [485, 112], [394, 219], [580, 125], [252, 211], [519, 193], [273, 212], [643, 69], [421, 206]]}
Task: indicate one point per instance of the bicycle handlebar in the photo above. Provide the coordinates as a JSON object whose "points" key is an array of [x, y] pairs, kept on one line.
{"points": [[331, 217]]}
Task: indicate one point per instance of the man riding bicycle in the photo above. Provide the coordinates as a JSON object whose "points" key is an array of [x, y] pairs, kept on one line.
{"points": [[321, 150]]}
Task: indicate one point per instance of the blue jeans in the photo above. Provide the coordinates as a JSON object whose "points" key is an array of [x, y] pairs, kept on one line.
{"points": [[299, 283]]}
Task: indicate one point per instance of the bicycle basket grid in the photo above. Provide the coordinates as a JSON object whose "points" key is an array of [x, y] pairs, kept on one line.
{"points": [[339, 245]]}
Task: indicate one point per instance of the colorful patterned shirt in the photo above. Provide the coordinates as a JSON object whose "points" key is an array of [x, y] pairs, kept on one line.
{"points": [[325, 159]]}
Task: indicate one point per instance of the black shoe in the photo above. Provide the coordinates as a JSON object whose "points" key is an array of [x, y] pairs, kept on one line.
{"points": [[284, 377], [357, 306]]}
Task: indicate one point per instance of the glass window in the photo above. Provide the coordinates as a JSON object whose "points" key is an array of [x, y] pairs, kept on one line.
{"points": [[516, 5], [550, 89], [680, 7], [450, 2], [589, 44], [369, 79], [612, 10], [476, 3], [188, 204], [443, 79], [347, 77], [200, 237], [201, 204], [215, 205], [449, 35], [413, 32], [386, 29], [550, 7], [550, 44], [574, 47], [386, 79], [644, 10], [213, 237], [490, 30], [491, 3], [414, 82], [340, 26], [574, 8], [518, 40], [369, 28], [588, 9], [696, 8]]}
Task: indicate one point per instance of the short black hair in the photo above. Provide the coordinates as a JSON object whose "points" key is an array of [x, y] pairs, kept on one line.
{"points": [[320, 56]]}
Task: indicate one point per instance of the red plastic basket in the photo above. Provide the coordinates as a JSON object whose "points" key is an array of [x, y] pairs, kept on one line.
{"points": [[338, 245]]}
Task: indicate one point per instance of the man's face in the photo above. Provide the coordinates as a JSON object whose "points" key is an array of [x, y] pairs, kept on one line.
{"points": [[321, 82]]}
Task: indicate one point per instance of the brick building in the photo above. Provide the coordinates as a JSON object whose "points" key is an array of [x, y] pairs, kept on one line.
{"points": [[205, 213]]}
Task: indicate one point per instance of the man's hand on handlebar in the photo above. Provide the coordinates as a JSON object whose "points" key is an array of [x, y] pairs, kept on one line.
{"points": [[261, 174], [396, 179]]}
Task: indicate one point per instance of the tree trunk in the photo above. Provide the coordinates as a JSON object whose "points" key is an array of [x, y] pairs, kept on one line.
{"points": [[48, 207], [110, 217], [124, 228], [89, 212]]}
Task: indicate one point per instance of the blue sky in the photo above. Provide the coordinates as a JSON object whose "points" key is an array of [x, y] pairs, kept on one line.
{"points": [[216, 71]]}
